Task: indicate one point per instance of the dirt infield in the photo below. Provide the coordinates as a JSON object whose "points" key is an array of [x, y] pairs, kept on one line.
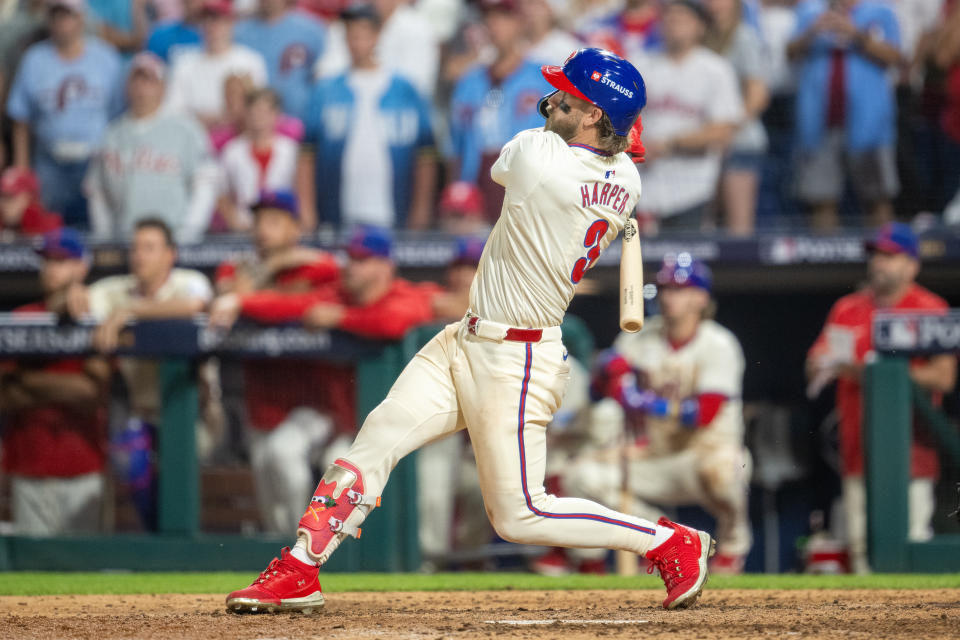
{"points": [[496, 614]]}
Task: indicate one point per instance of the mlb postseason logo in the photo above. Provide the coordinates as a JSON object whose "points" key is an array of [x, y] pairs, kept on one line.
{"points": [[916, 333]]}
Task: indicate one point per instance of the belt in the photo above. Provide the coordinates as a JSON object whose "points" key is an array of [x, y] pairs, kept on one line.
{"points": [[497, 331]]}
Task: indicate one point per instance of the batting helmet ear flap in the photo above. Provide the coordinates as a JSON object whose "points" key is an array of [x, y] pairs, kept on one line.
{"points": [[542, 105]]}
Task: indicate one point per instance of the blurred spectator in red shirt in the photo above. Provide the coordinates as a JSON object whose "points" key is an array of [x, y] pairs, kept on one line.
{"points": [[842, 351], [20, 208], [293, 407], [54, 414]]}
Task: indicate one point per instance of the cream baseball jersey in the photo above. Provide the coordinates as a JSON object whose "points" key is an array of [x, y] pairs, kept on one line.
{"points": [[712, 362], [564, 205]]}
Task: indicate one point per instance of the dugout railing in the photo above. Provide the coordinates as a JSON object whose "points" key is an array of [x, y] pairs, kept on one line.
{"points": [[891, 403], [389, 541]]}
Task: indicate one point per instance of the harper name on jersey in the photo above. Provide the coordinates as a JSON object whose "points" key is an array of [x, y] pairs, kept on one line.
{"points": [[612, 195]]}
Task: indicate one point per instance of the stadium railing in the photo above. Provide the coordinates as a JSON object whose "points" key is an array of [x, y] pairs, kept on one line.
{"points": [[390, 536], [891, 401]]}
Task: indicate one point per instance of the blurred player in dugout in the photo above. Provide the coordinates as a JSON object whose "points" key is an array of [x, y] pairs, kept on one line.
{"points": [[154, 289], [54, 414], [678, 384], [292, 406], [841, 352]]}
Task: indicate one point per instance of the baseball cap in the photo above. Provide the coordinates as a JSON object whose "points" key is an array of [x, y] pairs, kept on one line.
{"points": [[467, 251], [76, 6], [63, 244], [682, 270], [361, 11], [17, 180], [149, 63], [217, 8], [369, 241], [283, 200], [462, 198], [894, 237]]}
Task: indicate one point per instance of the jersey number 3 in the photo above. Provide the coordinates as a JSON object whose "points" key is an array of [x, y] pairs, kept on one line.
{"points": [[592, 242]]}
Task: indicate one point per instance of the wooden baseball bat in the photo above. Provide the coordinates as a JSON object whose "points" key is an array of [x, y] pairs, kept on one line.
{"points": [[631, 320], [626, 561], [631, 279]]}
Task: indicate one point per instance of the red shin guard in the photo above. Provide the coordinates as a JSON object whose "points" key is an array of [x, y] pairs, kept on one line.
{"points": [[335, 511]]}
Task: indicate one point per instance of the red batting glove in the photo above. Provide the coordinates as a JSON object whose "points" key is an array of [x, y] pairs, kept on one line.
{"points": [[636, 150], [607, 376]]}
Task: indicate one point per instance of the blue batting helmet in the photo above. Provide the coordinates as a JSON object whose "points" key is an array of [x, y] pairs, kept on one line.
{"points": [[682, 270], [603, 79]]}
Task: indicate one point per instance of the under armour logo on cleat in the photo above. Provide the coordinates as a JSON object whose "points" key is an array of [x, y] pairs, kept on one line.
{"points": [[300, 583]]}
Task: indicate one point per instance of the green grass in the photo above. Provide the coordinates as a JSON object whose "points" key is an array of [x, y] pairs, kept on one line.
{"points": [[26, 584]]}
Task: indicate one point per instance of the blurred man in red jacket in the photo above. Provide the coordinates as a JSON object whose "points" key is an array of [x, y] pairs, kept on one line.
{"points": [[54, 415], [291, 412], [841, 352], [369, 300]]}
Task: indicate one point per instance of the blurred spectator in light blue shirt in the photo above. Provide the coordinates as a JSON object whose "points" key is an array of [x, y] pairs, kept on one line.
{"points": [[290, 42], [65, 91], [845, 118]]}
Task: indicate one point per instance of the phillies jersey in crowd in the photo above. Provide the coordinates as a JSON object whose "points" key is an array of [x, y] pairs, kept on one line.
{"points": [[67, 103], [290, 46], [161, 167], [682, 97], [485, 114], [853, 315], [368, 128]]}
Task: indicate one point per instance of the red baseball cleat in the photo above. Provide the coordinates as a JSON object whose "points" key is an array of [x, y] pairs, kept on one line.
{"points": [[682, 561], [285, 585]]}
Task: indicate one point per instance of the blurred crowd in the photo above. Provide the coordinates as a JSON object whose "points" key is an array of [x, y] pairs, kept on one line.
{"points": [[760, 112]]}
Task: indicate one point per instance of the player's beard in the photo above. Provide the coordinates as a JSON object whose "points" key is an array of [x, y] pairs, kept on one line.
{"points": [[566, 129]]}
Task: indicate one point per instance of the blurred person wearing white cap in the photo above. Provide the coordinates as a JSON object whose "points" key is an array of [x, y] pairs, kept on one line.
{"points": [[197, 75], [65, 91], [152, 164]]}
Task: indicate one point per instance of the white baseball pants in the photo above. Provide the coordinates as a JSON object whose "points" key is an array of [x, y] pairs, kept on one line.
{"points": [[504, 393], [715, 478], [280, 460], [57, 506]]}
